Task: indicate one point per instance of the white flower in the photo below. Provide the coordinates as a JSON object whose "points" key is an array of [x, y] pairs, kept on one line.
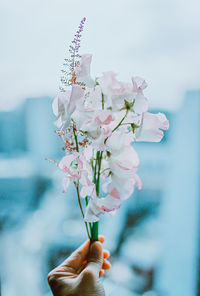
{"points": [[83, 70], [151, 127], [98, 206], [65, 104]]}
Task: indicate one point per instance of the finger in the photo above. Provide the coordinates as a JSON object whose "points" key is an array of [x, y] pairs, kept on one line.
{"points": [[106, 254], [101, 238], [106, 264], [95, 258], [82, 267], [75, 260], [101, 272]]}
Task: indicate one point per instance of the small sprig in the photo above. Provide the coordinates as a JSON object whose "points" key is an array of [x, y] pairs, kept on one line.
{"points": [[68, 72], [70, 139]]}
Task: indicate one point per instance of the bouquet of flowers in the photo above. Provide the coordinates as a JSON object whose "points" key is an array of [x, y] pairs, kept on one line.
{"points": [[98, 121]]}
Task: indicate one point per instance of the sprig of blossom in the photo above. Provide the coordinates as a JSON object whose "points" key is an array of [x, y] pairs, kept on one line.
{"points": [[68, 72], [98, 121]]}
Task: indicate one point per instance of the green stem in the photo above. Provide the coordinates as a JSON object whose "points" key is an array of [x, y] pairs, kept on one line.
{"points": [[96, 171], [120, 121], [96, 180], [118, 124], [90, 224], [102, 95], [79, 201], [127, 123], [77, 185], [95, 168], [75, 138], [99, 172]]}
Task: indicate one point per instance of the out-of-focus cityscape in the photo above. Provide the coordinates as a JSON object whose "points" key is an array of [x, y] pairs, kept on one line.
{"points": [[154, 237]]}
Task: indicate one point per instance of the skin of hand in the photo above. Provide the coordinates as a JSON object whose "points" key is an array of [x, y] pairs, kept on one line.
{"points": [[79, 274]]}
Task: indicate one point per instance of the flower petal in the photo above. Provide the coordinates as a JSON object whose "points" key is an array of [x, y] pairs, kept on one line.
{"points": [[98, 206], [83, 70], [141, 104], [66, 161], [65, 183], [77, 93], [150, 128], [139, 84]]}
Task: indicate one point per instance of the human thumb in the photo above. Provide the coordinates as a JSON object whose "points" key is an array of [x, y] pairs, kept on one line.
{"points": [[95, 258]]}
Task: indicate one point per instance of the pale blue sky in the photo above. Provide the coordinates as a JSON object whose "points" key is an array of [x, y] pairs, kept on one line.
{"points": [[158, 40]]}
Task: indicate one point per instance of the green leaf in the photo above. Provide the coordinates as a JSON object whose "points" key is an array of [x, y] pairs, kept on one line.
{"points": [[134, 126]]}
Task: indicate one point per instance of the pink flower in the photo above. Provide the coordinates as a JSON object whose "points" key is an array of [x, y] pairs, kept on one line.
{"points": [[110, 85], [115, 91], [141, 103], [65, 104], [151, 127], [123, 180], [127, 158], [98, 206], [103, 117], [65, 183], [85, 173], [77, 168], [67, 165], [94, 98], [97, 127], [77, 94], [121, 166], [139, 84], [119, 91], [83, 70], [99, 143], [59, 107]]}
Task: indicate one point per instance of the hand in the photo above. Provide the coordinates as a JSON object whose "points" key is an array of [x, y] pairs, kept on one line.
{"points": [[80, 273]]}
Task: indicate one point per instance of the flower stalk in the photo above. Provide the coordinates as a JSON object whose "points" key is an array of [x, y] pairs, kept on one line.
{"points": [[80, 205], [97, 172]]}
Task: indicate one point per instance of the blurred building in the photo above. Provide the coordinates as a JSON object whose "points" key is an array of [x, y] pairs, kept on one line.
{"points": [[154, 236]]}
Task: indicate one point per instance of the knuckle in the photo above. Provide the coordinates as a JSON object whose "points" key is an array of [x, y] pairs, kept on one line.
{"points": [[51, 277], [95, 260]]}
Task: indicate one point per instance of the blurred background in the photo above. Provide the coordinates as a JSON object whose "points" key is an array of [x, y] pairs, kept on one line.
{"points": [[154, 238]]}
